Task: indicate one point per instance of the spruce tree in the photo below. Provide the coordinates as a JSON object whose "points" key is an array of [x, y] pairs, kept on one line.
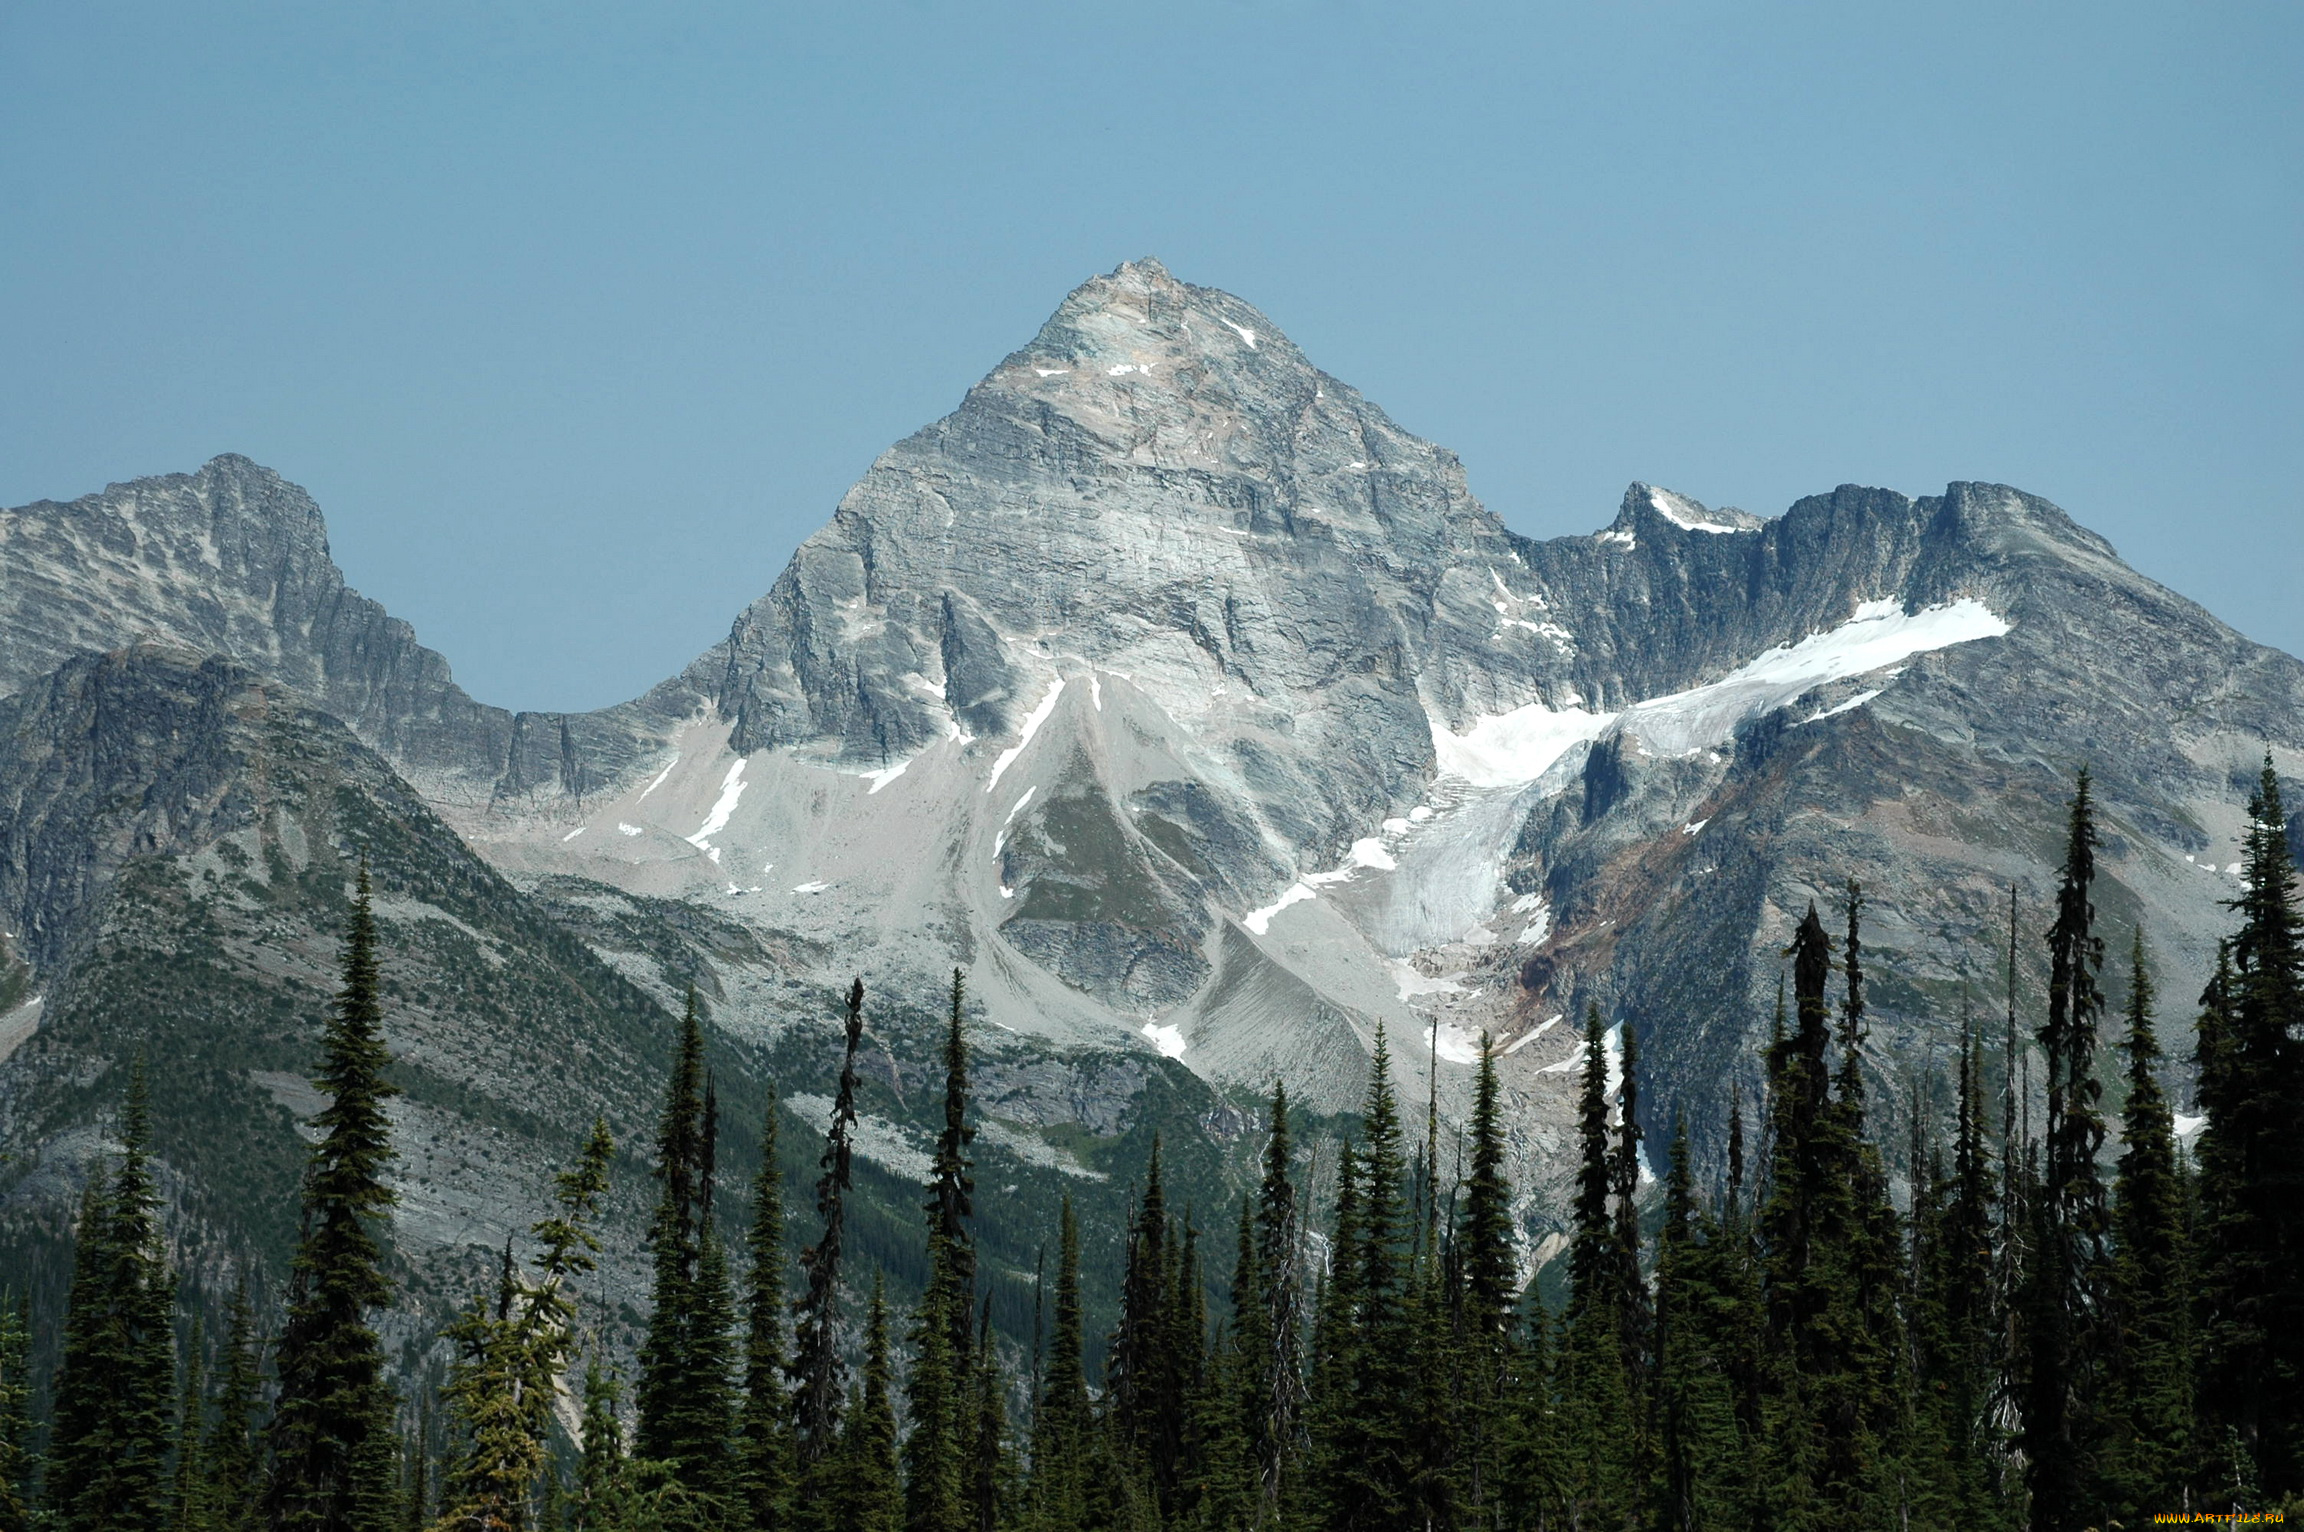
{"points": [[1870, 1465], [1585, 1455], [2148, 1462], [1062, 1422], [2065, 1302], [1633, 1318], [188, 1491], [1143, 1375], [1833, 1267], [682, 1398], [763, 1428], [816, 1370], [1277, 1421], [235, 1456], [936, 1452], [1961, 1369], [990, 1485], [78, 1426], [512, 1354], [1489, 1290], [331, 1436], [599, 1500], [1701, 1456], [2251, 1174], [1224, 1483], [15, 1412], [1369, 1462], [115, 1390], [863, 1490], [1337, 1344], [707, 1412]]}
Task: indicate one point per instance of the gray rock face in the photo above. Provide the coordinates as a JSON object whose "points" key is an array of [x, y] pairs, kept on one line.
{"points": [[1196, 707], [233, 561]]}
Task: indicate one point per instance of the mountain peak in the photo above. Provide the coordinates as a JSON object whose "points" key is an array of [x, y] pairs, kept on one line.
{"points": [[1643, 501]]}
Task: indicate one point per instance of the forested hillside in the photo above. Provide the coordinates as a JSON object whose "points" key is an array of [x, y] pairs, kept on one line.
{"points": [[2084, 1320]]}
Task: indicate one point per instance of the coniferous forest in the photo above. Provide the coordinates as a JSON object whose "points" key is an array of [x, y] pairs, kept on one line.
{"points": [[2086, 1320]]}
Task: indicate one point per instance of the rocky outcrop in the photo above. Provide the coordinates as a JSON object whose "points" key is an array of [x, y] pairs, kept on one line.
{"points": [[233, 561]]}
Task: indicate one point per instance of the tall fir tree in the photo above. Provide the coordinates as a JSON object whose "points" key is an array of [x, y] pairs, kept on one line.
{"points": [[1061, 1417], [1625, 1164], [1336, 1348], [331, 1431], [1489, 1290], [937, 1449], [115, 1389], [1369, 1461], [601, 1491], [1142, 1384], [1833, 1271], [16, 1463], [2148, 1462], [2064, 1310], [863, 1492], [816, 1369], [1958, 1357], [1277, 1416], [188, 1491], [707, 1418], [764, 1423], [1700, 1456], [2251, 1171], [683, 1399], [1873, 1464], [1582, 1428], [512, 1355], [991, 1468], [235, 1452]]}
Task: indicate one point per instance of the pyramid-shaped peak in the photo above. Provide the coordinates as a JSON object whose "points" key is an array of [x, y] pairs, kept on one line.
{"points": [[1140, 312]]}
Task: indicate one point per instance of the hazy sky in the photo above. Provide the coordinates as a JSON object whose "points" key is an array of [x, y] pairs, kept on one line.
{"points": [[576, 318]]}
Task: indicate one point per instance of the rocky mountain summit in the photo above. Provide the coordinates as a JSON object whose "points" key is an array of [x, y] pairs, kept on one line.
{"points": [[1206, 718]]}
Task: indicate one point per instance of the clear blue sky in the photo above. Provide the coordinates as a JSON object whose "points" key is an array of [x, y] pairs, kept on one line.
{"points": [[577, 317]]}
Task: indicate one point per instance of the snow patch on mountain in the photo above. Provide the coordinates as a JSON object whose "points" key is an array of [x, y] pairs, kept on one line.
{"points": [[731, 789], [1514, 748], [1032, 722]]}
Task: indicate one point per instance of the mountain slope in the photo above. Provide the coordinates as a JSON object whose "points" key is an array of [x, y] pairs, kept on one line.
{"points": [[1203, 715], [1174, 688], [233, 561]]}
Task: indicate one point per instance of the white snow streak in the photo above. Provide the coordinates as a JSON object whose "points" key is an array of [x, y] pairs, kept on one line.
{"points": [[731, 788], [1018, 807], [1242, 331], [572, 834], [882, 777], [1032, 723], [1260, 921], [660, 776], [1856, 701], [1526, 1038], [624, 829], [1515, 748], [1676, 510]]}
